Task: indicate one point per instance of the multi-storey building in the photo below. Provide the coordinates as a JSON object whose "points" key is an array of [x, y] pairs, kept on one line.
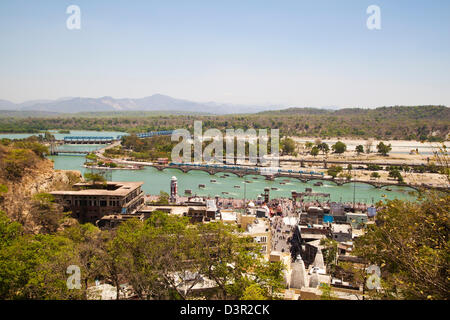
{"points": [[89, 202]]}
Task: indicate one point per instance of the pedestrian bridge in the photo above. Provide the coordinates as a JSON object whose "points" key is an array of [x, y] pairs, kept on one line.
{"points": [[301, 175], [241, 171], [150, 134]]}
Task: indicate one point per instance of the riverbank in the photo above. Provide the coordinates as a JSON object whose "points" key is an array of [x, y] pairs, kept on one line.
{"points": [[401, 149]]}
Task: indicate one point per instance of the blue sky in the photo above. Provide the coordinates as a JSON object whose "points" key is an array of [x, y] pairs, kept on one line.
{"points": [[295, 53]]}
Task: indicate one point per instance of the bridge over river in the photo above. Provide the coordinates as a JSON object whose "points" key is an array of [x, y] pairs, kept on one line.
{"points": [[303, 176]]}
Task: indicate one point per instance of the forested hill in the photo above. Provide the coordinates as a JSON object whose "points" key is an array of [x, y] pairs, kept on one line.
{"points": [[430, 123], [399, 122], [398, 112]]}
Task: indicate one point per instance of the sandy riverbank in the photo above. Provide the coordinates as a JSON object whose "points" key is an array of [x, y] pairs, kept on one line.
{"points": [[434, 179], [400, 153]]}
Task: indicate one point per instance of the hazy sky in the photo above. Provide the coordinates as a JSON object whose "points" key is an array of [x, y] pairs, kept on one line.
{"points": [[297, 53]]}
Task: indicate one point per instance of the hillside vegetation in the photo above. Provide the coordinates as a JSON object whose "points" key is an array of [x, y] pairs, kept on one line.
{"points": [[398, 123]]}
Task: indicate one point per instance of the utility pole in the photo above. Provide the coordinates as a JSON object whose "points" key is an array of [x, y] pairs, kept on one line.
{"points": [[354, 193], [245, 195]]}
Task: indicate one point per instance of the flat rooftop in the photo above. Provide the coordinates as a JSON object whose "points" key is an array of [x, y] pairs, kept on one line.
{"points": [[343, 228], [228, 215], [258, 226], [176, 210], [109, 188], [356, 214]]}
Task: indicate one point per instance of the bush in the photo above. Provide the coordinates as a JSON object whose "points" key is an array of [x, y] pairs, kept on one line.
{"points": [[339, 147], [16, 162]]}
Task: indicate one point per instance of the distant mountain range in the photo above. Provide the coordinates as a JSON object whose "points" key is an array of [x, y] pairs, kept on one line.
{"points": [[156, 102]]}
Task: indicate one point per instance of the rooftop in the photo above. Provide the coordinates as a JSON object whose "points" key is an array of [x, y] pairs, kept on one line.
{"points": [[228, 215], [356, 214], [259, 226], [341, 228], [101, 189], [175, 210]]}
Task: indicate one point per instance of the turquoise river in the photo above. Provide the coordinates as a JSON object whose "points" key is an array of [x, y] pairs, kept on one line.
{"points": [[155, 181]]}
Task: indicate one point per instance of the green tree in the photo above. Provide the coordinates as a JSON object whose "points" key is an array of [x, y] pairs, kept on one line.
{"points": [[323, 147], [330, 250], [254, 292], [395, 173], [375, 175], [339, 147], [163, 197], [94, 177], [3, 192], [333, 171], [46, 214], [384, 149], [327, 293], [288, 146], [314, 151], [235, 262], [91, 156], [359, 149], [34, 266], [410, 243]]}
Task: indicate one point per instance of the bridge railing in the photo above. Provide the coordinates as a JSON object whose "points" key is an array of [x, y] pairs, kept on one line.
{"points": [[225, 167], [87, 138], [150, 134]]}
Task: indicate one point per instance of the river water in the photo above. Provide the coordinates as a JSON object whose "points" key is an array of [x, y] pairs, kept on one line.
{"points": [[155, 181]]}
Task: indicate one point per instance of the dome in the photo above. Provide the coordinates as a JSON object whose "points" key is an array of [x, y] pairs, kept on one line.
{"points": [[173, 178]]}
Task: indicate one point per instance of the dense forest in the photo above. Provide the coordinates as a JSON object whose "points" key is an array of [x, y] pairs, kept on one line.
{"points": [[422, 123]]}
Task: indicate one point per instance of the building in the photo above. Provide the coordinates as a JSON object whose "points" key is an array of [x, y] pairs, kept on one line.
{"points": [[341, 232], [357, 219], [313, 215], [89, 202], [299, 277], [285, 259], [229, 217], [259, 230], [114, 220], [173, 189], [162, 161], [337, 211]]}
